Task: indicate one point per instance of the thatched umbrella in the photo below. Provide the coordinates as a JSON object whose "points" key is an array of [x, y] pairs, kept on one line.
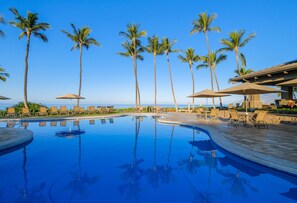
{"points": [[208, 94], [249, 89]]}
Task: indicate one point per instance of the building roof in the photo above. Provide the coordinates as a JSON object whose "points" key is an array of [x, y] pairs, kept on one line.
{"points": [[282, 68]]}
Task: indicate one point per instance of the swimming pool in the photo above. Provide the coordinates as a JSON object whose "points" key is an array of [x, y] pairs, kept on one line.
{"points": [[131, 159]]}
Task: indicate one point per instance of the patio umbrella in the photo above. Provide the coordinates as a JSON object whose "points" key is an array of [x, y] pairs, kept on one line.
{"points": [[208, 94], [289, 83], [3, 98], [248, 89], [70, 96]]}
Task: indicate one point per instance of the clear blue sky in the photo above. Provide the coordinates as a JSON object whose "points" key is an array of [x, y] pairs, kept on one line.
{"points": [[108, 77]]}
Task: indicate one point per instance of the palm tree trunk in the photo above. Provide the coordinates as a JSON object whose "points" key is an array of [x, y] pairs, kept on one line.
{"points": [[193, 83], [136, 92], [218, 86], [26, 72], [210, 70], [80, 73], [237, 64], [172, 89], [155, 79]]}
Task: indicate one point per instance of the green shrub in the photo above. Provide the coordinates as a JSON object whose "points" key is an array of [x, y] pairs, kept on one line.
{"points": [[149, 109], [33, 107]]}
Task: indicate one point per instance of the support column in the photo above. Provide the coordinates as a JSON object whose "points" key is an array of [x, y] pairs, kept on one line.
{"points": [[288, 94]]}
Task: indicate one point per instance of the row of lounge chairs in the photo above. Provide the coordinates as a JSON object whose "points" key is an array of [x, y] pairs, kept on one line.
{"points": [[43, 111]]}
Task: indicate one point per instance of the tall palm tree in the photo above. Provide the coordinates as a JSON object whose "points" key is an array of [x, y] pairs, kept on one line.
{"points": [[211, 61], [203, 25], [168, 48], [1, 21], [29, 25], [235, 41], [155, 48], [129, 52], [81, 38], [190, 58], [133, 34], [3, 74]]}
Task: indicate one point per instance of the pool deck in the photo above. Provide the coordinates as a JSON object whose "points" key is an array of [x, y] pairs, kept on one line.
{"points": [[275, 147]]}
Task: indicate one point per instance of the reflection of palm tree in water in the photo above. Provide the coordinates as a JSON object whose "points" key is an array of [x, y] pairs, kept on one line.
{"points": [[80, 180], [33, 195], [190, 164], [133, 172]]}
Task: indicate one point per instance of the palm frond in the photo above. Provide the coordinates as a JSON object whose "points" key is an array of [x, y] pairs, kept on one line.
{"points": [[200, 66], [40, 36], [247, 39], [242, 59]]}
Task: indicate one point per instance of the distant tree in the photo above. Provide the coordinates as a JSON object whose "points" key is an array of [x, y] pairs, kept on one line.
{"points": [[28, 25], [133, 34], [211, 61], [168, 48], [235, 41], [155, 48], [190, 58], [3, 74], [81, 38], [203, 25]]}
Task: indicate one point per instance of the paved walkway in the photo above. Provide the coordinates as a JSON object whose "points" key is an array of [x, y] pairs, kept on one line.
{"points": [[275, 147]]}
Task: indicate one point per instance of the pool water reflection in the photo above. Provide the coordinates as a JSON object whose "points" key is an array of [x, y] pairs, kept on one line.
{"points": [[131, 159]]}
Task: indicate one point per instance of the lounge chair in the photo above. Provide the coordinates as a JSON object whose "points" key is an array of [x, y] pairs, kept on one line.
{"points": [[230, 106], [99, 109], [11, 112], [76, 110], [234, 118], [158, 109], [111, 109], [91, 110], [200, 114], [140, 109], [260, 119], [25, 112], [53, 111], [214, 114], [104, 109], [63, 110], [42, 111], [82, 110]]}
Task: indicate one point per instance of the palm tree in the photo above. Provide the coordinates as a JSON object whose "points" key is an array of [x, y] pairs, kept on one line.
{"points": [[203, 24], [211, 61], [243, 70], [167, 47], [133, 34], [82, 40], [129, 52], [190, 58], [155, 48], [29, 25], [236, 41], [1, 21], [3, 74]]}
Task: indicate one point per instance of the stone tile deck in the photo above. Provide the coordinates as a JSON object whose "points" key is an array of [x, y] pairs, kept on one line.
{"points": [[275, 147]]}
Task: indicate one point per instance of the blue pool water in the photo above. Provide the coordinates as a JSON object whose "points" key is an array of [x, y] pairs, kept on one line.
{"points": [[132, 159]]}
